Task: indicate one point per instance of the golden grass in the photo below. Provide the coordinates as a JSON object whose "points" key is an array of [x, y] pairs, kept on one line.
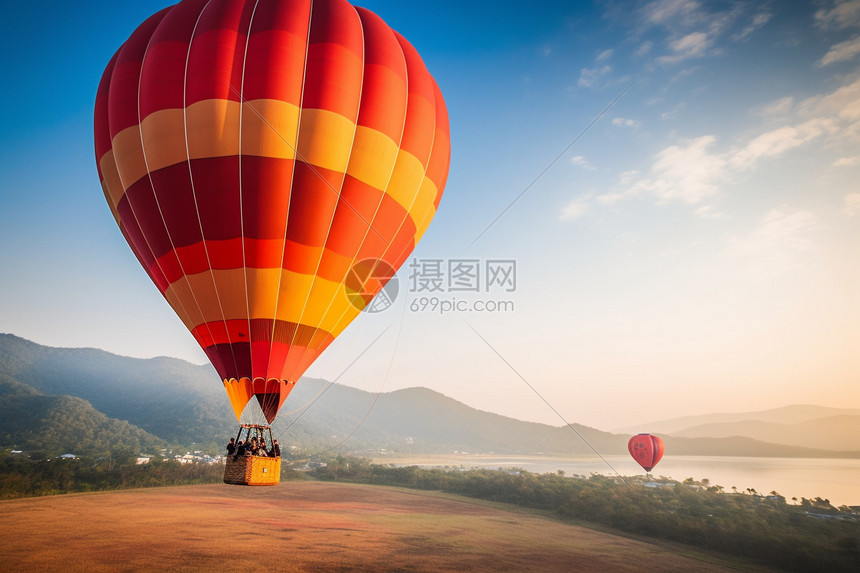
{"points": [[308, 526]]}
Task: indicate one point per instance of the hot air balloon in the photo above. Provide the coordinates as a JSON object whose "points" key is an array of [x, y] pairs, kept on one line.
{"points": [[253, 153], [646, 450]]}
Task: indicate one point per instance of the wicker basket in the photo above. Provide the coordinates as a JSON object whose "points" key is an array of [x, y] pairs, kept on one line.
{"points": [[252, 470]]}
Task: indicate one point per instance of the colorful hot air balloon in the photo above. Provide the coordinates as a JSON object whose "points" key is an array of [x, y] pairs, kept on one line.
{"points": [[253, 153], [646, 450]]}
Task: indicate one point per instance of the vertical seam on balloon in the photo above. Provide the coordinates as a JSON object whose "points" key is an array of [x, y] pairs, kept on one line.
{"points": [[382, 196], [131, 206], [436, 94], [241, 210], [194, 190], [290, 190], [340, 192], [152, 186], [417, 192]]}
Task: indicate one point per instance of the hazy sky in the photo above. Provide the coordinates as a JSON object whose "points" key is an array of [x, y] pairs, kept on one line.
{"points": [[694, 250]]}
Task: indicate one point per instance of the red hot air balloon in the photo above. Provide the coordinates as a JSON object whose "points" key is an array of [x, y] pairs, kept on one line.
{"points": [[253, 153], [646, 450]]}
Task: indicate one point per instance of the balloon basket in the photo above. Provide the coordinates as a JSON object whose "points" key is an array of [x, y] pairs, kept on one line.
{"points": [[252, 470], [249, 469]]}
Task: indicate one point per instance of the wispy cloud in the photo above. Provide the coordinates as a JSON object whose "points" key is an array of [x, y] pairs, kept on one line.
{"points": [[695, 170], [851, 204], [604, 55], [694, 29], [847, 161], [776, 142], [667, 12], [758, 20], [841, 52], [625, 122], [580, 161], [644, 48], [780, 107], [779, 242], [692, 45], [839, 14], [589, 77], [575, 209], [688, 173], [710, 212]]}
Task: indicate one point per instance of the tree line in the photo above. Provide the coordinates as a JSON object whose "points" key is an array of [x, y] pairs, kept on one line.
{"points": [[806, 535], [810, 535], [23, 477]]}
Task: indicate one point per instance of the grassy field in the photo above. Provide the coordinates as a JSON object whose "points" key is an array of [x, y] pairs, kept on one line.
{"points": [[310, 526]]}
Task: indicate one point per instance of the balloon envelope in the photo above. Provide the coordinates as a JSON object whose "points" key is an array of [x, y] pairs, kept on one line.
{"points": [[646, 450], [252, 154]]}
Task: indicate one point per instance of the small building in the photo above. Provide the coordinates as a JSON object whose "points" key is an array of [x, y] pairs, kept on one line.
{"points": [[142, 460]]}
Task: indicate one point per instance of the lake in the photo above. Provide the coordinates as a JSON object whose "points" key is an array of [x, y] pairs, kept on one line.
{"points": [[835, 479]]}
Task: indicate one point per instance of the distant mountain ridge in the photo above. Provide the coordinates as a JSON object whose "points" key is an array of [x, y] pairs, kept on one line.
{"points": [[794, 414], [801, 425], [169, 400], [833, 432]]}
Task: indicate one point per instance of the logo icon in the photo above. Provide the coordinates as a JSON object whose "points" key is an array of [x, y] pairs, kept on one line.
{"points": [[371, 285]]}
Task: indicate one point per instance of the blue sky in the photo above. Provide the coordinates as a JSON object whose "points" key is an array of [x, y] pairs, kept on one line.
{"points": [[695, 250]]}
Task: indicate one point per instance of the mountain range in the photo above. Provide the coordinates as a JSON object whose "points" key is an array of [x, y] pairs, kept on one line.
{"points": [[59, 399], [801, 425]]}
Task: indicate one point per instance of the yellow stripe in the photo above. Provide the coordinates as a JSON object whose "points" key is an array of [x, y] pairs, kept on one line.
{"points": [[269, 128], [179, 296], [112, 185], [423, 210], [294, 287], [163, 135], [129, 156], [325, 139], [405, 179], [373, 157]]}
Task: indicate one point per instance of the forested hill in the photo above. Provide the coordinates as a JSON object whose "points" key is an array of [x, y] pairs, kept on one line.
{"points": [[180, 403], [173, 399]]}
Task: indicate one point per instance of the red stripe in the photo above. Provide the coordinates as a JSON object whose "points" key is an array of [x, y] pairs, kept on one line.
{"points": [[163, 74], [440, 160], [276, 51], [283, 359], [217, 54], [383, 95], [101, 124], [420, 112], [122, 99], [334, 61]]}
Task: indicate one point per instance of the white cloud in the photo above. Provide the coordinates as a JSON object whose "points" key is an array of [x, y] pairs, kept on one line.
{"points": [[781, 106], [758, 21], [589, 77], [777, 244], [841, 52], [665, 12], [574, 210], [604, 55], [696, 170], [776, 142], [847, 161], [842, 14], [710, 212], [834, 115], [851, 204], [644, 49], [580, 161], [685, 173], [692, 45], [625, 122]]}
